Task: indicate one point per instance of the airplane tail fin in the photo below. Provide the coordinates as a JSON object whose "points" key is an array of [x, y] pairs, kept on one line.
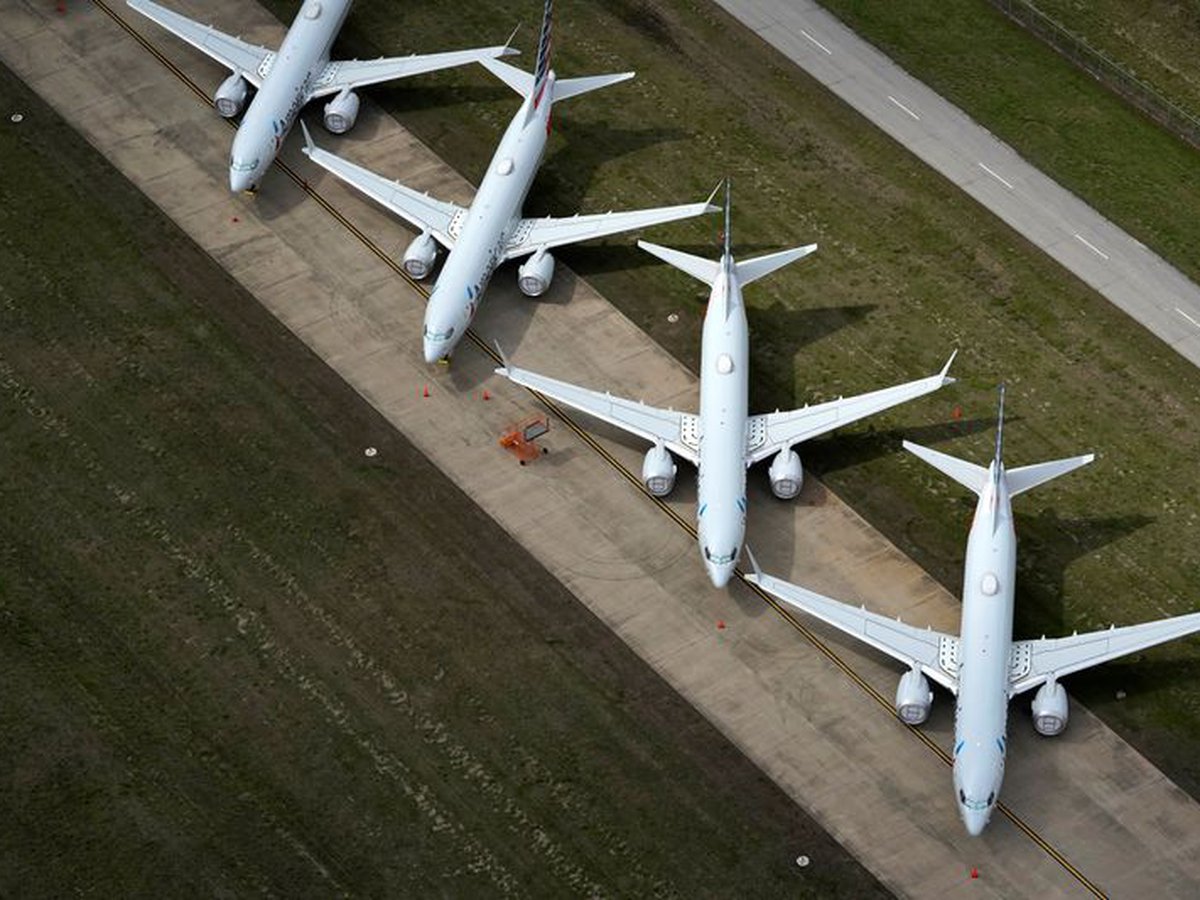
{"points": [[750, 270], [545, 53], [534, 86], [706, 270], [567, 87], [976, 477]]}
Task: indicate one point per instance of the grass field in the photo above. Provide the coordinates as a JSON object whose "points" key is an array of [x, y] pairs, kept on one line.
{"points": [[1158, 40], [239, 658], [908, 269]]}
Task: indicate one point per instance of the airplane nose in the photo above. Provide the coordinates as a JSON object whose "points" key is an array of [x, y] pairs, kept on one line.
{"points": [[975, 822], [433, 352], [241, 181], [719, 575]]}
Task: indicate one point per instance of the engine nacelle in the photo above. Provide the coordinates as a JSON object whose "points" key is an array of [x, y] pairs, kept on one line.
{"points": [[230, 97], [658, 471], [786, 473], [535, 275], [914, 698], [1051, 709], [341, 112], [420, 256]]}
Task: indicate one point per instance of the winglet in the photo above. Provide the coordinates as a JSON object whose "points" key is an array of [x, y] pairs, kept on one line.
{"points": [[504, 367], [713, 195], [508, 47], [946, 379], [756, 575], [309, 144]]}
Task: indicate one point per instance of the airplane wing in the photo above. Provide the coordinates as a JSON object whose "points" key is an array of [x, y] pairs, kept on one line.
{"points": [[250, 61], [769, 433], [934, 652], [676, 431], [1034, 662], [440, 219], [353, 73], [531, 235]]}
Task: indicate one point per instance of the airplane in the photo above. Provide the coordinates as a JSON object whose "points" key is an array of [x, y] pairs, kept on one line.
{"points": [[982, 666], [723, 441], [491, 230], [288, 78]]}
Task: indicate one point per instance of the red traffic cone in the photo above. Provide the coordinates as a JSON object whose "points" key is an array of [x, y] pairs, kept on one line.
{"points": [[426, 391]]}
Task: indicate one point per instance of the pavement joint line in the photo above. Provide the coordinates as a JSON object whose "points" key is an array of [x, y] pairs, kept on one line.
{"points": [[905, 108], [815, 41], [1079, 237], [1186, 316], [999, 178], [825, 649]]}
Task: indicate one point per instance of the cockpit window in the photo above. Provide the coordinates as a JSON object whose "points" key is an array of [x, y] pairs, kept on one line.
{"points": [[239, 166], [717, 559], [439, 335]]}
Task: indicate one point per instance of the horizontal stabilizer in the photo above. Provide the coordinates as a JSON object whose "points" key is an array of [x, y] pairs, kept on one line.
{"points": [[751, 270], [520, 81], [965, 473], [573, 87], [1028, 477], [697, 266]]}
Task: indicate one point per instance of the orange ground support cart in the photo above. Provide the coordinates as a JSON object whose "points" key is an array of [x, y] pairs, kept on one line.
{"points": [[521, 441]]}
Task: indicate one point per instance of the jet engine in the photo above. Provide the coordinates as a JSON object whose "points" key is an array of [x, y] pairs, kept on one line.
{"points": [[658, 471], [534, 275], [914, 699], [341, 112], [420, 256], [1051, 709], [231, 96], [786, 473]]}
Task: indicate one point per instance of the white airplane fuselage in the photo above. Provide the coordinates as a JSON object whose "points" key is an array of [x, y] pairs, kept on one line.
{"points": [[485, 230], [724, 397], [985, 642], [299, 62]]}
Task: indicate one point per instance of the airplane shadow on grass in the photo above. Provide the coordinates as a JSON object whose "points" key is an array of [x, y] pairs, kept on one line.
{"points": [[777, 333], [568, 170], [620, 253], [412, 95], [846, 450], [1136, 676], [1049, 544]]}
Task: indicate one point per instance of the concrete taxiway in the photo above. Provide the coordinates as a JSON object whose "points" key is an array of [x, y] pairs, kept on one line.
{"points": [[1113, 262], [1089, 814]]}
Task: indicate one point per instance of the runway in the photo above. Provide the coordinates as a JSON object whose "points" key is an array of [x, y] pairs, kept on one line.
{"points": [[1122, 269], [1088, 814]]}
